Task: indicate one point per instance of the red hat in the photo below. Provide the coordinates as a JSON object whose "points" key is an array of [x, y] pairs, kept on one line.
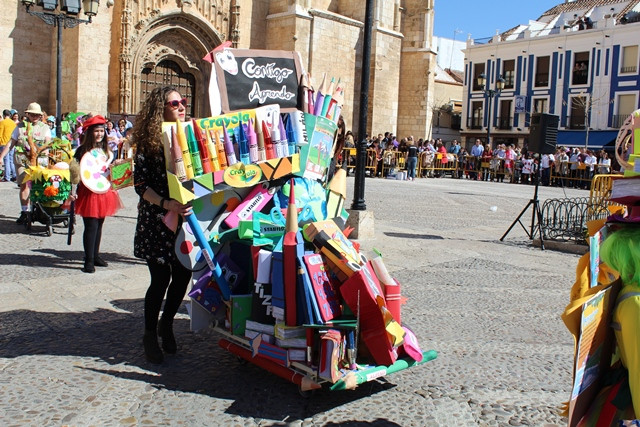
{"points": [[92, 121]]}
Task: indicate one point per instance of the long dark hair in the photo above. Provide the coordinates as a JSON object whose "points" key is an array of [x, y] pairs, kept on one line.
{"points": [[147, 132], [89, 142]]}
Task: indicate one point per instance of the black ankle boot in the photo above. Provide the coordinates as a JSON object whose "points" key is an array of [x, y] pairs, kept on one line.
{"points": [[99, 262], [165, 331], [88, 267], [152, 350]]}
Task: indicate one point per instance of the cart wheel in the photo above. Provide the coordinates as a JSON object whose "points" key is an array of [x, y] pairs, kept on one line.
{"points": [[65, 223], [307, 394]]}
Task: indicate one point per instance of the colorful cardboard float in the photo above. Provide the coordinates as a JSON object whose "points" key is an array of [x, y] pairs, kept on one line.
{"points": [[274, 270]]}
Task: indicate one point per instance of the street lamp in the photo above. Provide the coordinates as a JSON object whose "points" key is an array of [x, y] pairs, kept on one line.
{"points": [[66, 17], [489, 94]]}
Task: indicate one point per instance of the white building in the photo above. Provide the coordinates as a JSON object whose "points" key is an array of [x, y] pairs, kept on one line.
{"points": [[578, 61]]}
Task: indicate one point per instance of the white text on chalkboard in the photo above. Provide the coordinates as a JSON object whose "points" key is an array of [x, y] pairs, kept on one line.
{"points": [[262, 95], [269, 71]]}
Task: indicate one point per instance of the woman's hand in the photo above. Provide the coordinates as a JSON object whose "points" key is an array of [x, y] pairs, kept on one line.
{"points": [[177, 207]]}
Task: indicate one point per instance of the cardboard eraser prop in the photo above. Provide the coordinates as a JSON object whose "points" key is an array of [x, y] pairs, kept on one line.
{"points": [[240, 312], [259, 196], [390, 287], [324, 290], [411, 346], [355, 378], [303, 381], [268, 351], [261, 305], [249, 78], [94, 171], [209, 256], [331, 354], [363, 288]]}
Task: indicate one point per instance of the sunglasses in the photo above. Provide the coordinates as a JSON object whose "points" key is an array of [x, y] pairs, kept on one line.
{"points": [[175, 103]]}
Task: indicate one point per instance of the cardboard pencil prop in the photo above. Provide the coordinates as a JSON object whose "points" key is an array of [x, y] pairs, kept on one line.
{"points": [[196, 161], [355, 378], [289, 247], [243, 144], [228, 148], [253, 141], [322, 91], [390, 287], [270, 151], [209, 256], [212, 149], [176, 157], [262, 151], [304, 92], [328, 98], [203, 149], [222, 156], [184, 147]]}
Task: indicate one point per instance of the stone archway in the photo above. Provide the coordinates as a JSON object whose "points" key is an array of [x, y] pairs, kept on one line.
{"points": [[179, 38]]}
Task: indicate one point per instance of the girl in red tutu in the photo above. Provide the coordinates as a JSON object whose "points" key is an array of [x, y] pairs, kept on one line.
{"points": [[95, 199]]}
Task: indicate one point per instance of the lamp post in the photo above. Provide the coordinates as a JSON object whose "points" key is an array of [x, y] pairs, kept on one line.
{"points": [[65, 17], [358, 203], [489, 94]]}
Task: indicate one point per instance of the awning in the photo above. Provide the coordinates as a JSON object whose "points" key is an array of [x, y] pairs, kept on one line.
{"points": [[577, 138]]}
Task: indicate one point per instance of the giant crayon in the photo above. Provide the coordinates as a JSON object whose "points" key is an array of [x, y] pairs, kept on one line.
{"points": [[205, 158], [184, 147]]}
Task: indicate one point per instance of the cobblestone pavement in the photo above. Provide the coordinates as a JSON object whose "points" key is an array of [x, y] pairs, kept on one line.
{"points": [[70, 343]]}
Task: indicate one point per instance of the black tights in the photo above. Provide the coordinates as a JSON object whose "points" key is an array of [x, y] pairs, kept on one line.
{"points": [[161, 274], [91, 238]]}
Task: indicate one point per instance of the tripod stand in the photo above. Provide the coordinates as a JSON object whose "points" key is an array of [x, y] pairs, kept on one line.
{"points": [[536, 216]]}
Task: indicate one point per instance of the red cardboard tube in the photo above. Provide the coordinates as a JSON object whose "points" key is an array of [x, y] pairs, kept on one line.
{"points": [[290, 375]]}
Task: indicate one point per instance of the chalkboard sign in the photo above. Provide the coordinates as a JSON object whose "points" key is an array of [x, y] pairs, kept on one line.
{"points": [[250, 78]]}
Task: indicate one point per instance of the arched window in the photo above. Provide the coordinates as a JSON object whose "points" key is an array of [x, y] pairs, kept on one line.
{"points": [[168, 72]]}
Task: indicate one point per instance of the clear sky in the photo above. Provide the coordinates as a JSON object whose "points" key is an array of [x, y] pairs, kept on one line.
{"points": [[483, 18]]}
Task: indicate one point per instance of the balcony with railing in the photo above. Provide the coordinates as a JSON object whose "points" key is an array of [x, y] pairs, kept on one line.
{"points": [[474, 123], [617, 120], [504, 123], [575, 122]]}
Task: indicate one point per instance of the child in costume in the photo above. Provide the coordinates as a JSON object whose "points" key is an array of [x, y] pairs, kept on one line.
{"points": [[92, 203]]}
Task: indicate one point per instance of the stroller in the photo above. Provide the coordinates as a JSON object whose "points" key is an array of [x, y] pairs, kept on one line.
{"points": [[50, 187]]}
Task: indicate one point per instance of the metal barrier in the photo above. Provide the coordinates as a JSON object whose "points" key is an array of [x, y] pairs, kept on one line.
{"points": [[566, 219], [601, 190], [571, 174], [436, 164]]}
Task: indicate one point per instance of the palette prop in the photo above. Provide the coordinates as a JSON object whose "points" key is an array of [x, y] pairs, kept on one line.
{"points": [[629, 133], [94, 171]]}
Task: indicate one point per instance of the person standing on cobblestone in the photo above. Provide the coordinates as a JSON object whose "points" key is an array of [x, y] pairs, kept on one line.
{"points": [[33, 129], [7, 126], [91, 205], [153, 240]]}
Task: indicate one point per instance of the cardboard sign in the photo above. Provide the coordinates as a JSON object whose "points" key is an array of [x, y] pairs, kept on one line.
{"points": [[257, 77]]}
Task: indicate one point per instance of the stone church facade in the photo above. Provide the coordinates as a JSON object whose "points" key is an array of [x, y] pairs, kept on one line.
{"points": [[110, 64]]}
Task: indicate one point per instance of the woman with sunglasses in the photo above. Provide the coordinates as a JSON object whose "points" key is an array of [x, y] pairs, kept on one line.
{"points": [[153, 240]]}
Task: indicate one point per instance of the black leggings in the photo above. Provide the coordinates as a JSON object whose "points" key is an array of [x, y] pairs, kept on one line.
{"points": [[161, 274], [91, 238]]}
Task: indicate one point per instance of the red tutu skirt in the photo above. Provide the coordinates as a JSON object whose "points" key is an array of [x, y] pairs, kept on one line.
{"points": [[94, 205]]}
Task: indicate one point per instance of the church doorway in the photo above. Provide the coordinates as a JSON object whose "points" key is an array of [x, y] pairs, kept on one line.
{"points": [[168, 72]]}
